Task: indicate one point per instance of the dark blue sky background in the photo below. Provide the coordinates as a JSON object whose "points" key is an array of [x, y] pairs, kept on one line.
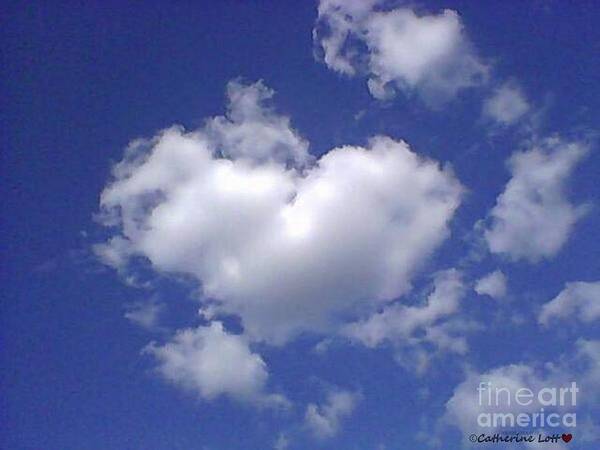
{"points": [[79, 81]]}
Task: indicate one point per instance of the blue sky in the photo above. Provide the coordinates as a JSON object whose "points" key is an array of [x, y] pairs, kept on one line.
{"points": [[371, 215]]}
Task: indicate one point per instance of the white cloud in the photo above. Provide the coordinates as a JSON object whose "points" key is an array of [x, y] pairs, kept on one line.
{"points": [[398, 49], [506, 105], [532, 218], [413, 329], [578, 300], [211, 362], [325, 420], [285, 246], [115, 253], [493, 284], [467, 403], [399, 321], [253, 131], [464, 407], [145, 314]]}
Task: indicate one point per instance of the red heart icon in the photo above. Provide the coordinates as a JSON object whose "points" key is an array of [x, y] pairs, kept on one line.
{"points": [[567, 437]]}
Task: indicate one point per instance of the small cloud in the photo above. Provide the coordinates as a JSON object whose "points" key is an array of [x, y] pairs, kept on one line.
{"points": [[360, 114], [324, 420], [506, 105], [211, 362], [418, 332], [579, 300], [533, 218], [493, 285], [145, 314], [398, 49]]}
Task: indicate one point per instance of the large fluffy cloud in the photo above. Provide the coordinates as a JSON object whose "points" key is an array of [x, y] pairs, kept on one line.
{"points": [[398, 49], [533, 217], [210, 362], [579, 300], [286, 243]]}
